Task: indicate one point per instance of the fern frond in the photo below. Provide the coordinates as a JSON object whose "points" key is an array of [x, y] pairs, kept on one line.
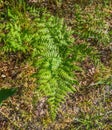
{"points": [[48, 41]]}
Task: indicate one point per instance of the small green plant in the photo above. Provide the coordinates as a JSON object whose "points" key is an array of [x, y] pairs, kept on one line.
{"points": [[51, 49], [91, 25], [87, 122]]}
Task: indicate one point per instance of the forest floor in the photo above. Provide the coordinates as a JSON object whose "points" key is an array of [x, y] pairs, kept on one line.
{"points": [[89, 108]]}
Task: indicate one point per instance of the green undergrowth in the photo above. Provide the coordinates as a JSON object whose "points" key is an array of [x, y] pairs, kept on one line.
{"points": [[91, 25], [50, 46]]}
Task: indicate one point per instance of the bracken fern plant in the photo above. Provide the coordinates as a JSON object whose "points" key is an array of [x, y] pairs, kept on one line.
{"points": [[51, 49]]}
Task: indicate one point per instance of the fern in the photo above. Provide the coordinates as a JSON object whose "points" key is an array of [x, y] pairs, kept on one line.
{"points": [[54, 76], [50, 46]]}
